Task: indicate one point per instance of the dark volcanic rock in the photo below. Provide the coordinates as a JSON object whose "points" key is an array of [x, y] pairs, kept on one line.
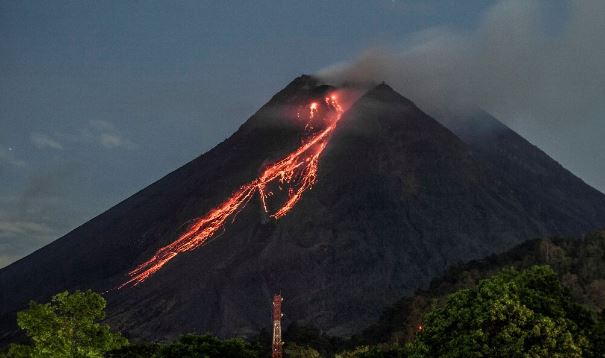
{"points": [[561, 202], [399, 198]]}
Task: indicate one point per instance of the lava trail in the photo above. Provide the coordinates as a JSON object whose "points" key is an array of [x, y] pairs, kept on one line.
{"points": [[298, 169]]}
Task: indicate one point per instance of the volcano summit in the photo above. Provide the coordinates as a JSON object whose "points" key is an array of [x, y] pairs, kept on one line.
{"points": [[343, 207]]}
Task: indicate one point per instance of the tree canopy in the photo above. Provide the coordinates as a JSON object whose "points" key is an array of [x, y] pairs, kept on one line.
{"points": [[293, 350], [207, 346], [476, 310], [512, 314], [67, 326]]}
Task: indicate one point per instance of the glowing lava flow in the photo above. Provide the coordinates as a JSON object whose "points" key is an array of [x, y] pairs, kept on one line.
{"points": [[298, 168]]}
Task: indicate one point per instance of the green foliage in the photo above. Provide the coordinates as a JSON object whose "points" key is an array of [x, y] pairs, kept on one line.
{"points": [[579, 263], [293, 350], [475, 310], [309, 336], [207, 346], [512, 314], [139, 350], [355, 353], [262, 342], [379, 351], [598, 339], [67, 326]]}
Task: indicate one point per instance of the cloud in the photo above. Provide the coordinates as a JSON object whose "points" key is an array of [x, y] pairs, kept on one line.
{"points": [[41, 207], [8, 158], [511, 64], [106, 134], [37, 214], [97, 132], [542, 76], [42, 141], [26, 228], [111, 140], [103, 126], [20, 236]]}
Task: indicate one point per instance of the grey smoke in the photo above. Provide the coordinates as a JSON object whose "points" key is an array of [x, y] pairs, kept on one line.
{"points": [[540, 82]]}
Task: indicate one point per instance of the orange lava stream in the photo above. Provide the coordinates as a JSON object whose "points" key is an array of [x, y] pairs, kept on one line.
{"points": [[299, 168]]}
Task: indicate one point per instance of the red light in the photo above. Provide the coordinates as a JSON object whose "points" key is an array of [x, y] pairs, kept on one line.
{"points": [[299, 169]]}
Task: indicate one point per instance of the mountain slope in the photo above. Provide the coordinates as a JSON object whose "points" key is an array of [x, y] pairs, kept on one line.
{"points": [[562, 202], [398, 198], [99, 253]]}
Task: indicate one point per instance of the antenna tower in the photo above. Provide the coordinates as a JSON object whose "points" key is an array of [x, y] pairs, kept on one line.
{"points": [[276, 351]]}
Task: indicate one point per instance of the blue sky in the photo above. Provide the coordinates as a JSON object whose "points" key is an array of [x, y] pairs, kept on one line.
{"points": [[100, 99]]}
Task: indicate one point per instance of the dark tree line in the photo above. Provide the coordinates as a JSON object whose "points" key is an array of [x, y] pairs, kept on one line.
{"points": [[544, 298]]}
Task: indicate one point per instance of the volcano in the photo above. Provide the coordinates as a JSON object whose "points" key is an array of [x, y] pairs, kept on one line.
{"points": [[341, 207]]}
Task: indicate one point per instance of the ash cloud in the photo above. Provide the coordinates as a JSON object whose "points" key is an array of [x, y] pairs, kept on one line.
{"points": [[508, 64], [541, 82]]}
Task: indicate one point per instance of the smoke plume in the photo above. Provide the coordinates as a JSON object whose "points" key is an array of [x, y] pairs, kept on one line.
{"points": [[511, 64]]}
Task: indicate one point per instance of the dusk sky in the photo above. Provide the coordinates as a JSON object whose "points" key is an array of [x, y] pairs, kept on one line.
{"points": [[100, 99]]}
